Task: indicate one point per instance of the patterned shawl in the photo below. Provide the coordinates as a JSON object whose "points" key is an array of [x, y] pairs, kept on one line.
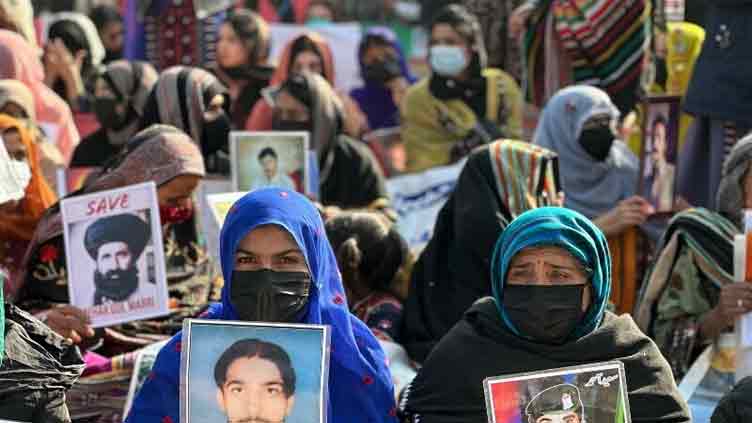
{"points": [[159, 153], [180, 98], [605, 41]]}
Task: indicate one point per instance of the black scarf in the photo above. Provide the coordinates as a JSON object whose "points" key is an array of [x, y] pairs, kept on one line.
{"points": [[482, 348], [115, 289], [454, 269], [473, 92]]}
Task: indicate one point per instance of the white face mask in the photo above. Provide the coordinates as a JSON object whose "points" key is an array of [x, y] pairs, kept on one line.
{"points": [[22, 172], [448, 61]]}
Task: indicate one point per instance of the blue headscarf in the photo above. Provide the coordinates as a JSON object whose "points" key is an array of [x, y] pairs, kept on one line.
{"points": [[360, 385], [559, 227], [374, 99]]}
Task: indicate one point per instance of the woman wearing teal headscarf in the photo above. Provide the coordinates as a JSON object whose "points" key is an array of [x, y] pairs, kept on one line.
{"points": [[551, 280]]}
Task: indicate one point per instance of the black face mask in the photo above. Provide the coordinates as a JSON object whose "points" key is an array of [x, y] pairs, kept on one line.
{"points": [[597, 142], [382, 72], [269, 296], [105, 109], [115, 285], [544, 314], [237, 73], [111, 56], [290, 125], [215, 134]]}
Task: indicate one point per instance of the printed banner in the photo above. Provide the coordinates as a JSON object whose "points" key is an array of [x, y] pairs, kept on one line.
{"points": [[240, 371], [114, 255], [418, 198]]}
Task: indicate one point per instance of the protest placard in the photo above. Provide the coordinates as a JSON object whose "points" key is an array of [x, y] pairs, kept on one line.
{"points": [[579, 394], [241, 371], [114, 254]]}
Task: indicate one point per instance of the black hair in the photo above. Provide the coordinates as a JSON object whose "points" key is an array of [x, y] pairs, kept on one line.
{"points": [[256, 348], [301, 44], [467, 25], [267, 151], [251, 28], [367, 246], [103, 15], [660, 119]]}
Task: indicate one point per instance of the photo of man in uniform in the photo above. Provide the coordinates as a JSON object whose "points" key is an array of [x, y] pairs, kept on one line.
{"points": [[255, 382], [557, 404], [116, 243], [271, 175]]}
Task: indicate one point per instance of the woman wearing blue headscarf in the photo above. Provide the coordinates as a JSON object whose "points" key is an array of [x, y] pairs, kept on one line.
{"points": [[279, 267], [386, 76], [551, 279]]}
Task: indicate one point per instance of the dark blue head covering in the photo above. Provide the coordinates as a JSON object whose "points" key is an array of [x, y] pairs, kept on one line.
{"points": [[374, 99], [559, 227], [360, 385]]}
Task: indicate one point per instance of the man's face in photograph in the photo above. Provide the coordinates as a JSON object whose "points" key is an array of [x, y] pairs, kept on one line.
{"points": [[113, 258], [269, 164], [254, 392]]}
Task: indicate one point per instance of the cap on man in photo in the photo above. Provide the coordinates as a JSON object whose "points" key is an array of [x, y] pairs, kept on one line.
{"points": [[126, 228], [556, 403]]}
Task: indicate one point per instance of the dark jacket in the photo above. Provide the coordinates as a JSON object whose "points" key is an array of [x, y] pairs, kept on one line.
{"points": [[736, 406], [38, 369], [721, 87], [350, 175]]}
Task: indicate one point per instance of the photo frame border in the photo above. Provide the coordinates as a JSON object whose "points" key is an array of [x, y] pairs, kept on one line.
{"points": [[237, 136], [186, 348], [674, 121], [157, 243], [608, 365]]}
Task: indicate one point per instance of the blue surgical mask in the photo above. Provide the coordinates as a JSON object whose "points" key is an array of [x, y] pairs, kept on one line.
{"points": [[448, 61]]}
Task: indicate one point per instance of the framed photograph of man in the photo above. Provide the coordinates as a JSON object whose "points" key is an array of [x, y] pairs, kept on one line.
{"points": [[660, 152], [269, 159], [114, 254], [253, 372], [580, 394]]}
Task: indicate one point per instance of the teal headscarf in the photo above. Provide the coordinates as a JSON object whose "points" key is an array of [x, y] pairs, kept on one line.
{"points": [[559, 227]]}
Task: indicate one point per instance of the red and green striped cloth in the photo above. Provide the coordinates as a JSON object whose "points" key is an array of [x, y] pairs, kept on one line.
{"points": [[605, 41]]}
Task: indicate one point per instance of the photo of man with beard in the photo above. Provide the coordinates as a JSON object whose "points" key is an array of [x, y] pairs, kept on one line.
{"points": [[116, 243]]}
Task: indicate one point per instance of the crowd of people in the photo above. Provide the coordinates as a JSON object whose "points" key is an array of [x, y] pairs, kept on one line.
{"points": [[542, 103]]}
